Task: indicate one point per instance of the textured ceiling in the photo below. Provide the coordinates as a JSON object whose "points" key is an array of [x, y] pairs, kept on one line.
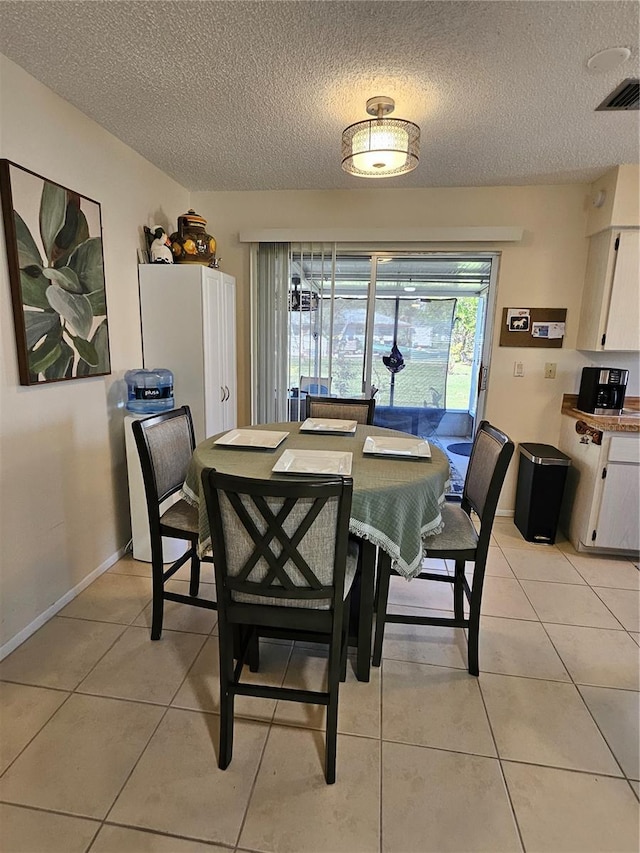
{"points": [[233, 95]]}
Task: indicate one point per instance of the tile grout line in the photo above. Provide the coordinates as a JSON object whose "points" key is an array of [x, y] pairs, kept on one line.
{"points": [[164, 834], [502, 773], [577, 687], [262, 754], [70, 692], [602, 734], [167, 707], [75, 691], [135, 764], [144, 748], [594, 590], [30, 741]]}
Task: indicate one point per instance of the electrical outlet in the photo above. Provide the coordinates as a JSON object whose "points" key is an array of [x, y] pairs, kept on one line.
{"points": [[518, 368], [550, 370]]}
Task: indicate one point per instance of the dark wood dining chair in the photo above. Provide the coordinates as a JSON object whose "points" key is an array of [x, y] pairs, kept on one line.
{"points": [[347, 408], [165, 444], [459, 541], [284, 567]]}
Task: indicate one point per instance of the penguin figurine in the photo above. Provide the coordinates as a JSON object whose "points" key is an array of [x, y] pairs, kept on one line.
{"points": [[159, 245]]}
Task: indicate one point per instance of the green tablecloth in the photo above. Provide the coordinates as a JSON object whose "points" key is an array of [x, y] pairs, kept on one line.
{"points": [[396, 501]]}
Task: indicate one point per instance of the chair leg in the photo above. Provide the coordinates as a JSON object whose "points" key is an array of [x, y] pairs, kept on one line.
{"points": [[344, 638], [472, 650], [474, 619], [254, 650], [225, 749], [382, 594], [458, 590], [226, 731], [157, 607], [194, 585], [332, 714], [365, 612]]}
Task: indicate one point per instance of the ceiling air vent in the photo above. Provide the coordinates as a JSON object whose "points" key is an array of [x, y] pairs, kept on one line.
{"points": [[625, 97]]}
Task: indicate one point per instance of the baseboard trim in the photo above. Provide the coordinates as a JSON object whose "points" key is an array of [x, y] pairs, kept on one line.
{"points": [[40, 620]]}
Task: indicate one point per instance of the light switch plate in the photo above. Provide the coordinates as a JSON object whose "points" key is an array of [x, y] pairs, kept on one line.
{"points": [[550, 370], [518, 368]]}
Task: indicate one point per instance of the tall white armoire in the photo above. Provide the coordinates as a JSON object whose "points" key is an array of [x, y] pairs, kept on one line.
{"points": [[188, 316]]}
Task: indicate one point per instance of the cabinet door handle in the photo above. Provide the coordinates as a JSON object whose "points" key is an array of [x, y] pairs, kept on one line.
{"points": [[228, 392], [222, 391]]}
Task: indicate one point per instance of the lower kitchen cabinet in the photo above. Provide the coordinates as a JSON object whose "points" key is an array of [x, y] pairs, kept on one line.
{"points": [[601, 507]]}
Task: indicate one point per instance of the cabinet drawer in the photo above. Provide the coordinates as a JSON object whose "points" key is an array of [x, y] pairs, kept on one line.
{"points": [[624, 449]]}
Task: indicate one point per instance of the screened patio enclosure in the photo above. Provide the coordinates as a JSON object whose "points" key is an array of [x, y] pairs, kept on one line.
{"points": [[407, 329]]}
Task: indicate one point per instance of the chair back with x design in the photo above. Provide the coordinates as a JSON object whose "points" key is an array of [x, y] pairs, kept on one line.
{"points": [[280, 543], [283, 568]]}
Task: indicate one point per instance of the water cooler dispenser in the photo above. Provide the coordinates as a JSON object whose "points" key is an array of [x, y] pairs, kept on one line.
{"points": [[149, 391]]}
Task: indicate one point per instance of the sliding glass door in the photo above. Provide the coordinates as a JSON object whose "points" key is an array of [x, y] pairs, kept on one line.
{"points": [[409, 328]]}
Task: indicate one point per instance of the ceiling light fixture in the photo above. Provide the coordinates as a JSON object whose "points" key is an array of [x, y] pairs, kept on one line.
{"points": [[380, 147]]}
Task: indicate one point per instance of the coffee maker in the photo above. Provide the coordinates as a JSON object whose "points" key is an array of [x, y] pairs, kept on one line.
{"points": [[602, 390]]}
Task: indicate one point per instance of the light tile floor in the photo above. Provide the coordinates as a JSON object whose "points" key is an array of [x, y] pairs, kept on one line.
{"points": [[109, 741]]}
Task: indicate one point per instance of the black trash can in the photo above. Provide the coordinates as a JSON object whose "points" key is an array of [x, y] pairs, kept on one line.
{"points": [[542, 473]]}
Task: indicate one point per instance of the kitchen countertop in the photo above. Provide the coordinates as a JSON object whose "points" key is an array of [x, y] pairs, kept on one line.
{"points": [[606, 423]]}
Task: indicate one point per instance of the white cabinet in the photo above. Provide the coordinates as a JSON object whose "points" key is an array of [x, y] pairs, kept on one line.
{"points": [[188, 318], [611, 298], [601, 504]]}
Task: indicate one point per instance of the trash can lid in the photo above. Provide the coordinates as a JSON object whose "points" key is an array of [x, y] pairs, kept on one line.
{"points": [[544, 454]]}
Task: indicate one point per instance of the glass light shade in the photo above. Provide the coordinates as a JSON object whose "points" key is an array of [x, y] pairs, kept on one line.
{"points": [[380, 147]]}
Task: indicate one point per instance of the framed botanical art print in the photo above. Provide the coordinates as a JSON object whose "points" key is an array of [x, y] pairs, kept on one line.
{"points": [[56, 274]]}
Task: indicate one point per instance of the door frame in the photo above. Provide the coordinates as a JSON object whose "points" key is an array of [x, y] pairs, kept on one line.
{"points": [[483, 371]]}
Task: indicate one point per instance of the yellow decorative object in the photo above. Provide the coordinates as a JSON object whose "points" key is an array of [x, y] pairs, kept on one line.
{"points": [[191, 244]]}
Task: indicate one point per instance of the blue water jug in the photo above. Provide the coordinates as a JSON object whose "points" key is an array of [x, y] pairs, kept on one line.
{"points": [[149, 391]]}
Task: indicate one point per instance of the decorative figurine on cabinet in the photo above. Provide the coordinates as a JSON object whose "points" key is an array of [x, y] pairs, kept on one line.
{"points": [[159, 245], [191, 244]]}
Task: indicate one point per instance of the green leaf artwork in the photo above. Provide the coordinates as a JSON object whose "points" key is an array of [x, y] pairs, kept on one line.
{"points": [[38, 324], [73, 308], [57, 278], [86, 262], [28, 254], [53, 205], [65, 277]]}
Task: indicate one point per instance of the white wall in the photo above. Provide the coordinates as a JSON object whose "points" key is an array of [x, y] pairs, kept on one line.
{"points": [[63, 487], [545, 270]]}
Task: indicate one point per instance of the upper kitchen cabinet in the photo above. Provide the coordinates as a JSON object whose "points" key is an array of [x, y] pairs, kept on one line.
{"points": [[611, 300]]}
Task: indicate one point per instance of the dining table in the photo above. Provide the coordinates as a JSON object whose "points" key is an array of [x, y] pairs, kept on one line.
{"points": [[398, 490]]}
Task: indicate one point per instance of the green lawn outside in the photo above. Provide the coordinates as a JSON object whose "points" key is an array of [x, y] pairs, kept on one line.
{"points": [[413, 386], [458, 387]]}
